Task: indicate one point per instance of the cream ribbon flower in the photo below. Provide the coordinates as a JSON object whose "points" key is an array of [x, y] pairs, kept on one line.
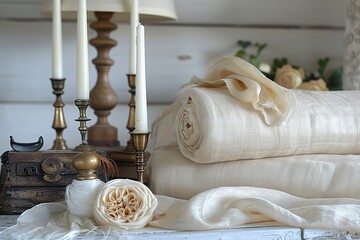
{"points": [[124, 204]]}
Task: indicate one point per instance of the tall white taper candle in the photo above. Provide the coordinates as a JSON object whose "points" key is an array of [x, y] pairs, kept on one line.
{"points": [[57, 61], [82, 65], [141, 118], [134, 20]]}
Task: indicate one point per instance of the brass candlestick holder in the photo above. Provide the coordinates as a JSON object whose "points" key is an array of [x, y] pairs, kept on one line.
{"points": [[131, 119], [82, 105], [59, 123], [140, 141]]}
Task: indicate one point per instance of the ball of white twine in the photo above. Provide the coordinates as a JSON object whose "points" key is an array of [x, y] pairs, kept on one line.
{"points": [[80, 196]]}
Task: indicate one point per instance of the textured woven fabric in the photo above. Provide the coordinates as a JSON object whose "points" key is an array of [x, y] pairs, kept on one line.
{"points": [[212, 126], [308, 176], [236, 113]]}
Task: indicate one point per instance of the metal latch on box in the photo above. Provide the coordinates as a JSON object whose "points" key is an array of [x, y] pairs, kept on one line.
{"points": [[51, 167]]}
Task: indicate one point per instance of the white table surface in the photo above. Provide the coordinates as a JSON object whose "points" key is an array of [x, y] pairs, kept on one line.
{"points": [[248, 232]]}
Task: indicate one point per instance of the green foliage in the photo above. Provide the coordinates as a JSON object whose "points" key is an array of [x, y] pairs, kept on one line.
{"points": [[244, 44], [335, 80], [251, 52], [254, 59]]}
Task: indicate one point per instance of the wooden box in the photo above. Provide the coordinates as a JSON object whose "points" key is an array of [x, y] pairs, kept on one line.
{"points": [[30, 178]]}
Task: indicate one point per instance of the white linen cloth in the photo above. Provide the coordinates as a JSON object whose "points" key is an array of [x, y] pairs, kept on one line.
{"points": [[219, 208], [228, 207], [212, 126], [235, 113], [307, 176]]}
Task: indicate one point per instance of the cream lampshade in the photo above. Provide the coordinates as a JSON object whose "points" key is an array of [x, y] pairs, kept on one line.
{"points": [[103, 97]]}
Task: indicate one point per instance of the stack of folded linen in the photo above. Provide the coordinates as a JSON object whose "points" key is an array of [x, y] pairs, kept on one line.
{"points": [[235, 127]]}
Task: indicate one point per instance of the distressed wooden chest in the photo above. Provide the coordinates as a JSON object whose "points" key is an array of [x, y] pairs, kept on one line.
{"points": [[30, 178]]}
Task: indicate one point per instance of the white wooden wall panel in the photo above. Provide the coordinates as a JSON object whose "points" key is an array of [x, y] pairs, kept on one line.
{"points": [[173, 53]]}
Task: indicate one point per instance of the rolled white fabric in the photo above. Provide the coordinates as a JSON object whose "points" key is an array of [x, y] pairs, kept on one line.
{"points": [[212, 126], [236, 113], [124, 204], [308, 176], [80, 196], [228, 207]]}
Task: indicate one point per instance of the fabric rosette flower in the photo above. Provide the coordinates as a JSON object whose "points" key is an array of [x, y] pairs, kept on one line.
{"points": [[124, 204], [317, 85], [289, 77]]}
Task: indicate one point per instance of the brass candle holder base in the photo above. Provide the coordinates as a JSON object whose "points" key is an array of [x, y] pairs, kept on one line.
{"points": [[140, 141], [59, 123], [86, 163], [82, 105]]}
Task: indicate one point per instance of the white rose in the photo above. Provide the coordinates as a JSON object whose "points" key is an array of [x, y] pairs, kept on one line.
{"points": [[125, 204], [316, 85], [264, 67], [289, 77]]}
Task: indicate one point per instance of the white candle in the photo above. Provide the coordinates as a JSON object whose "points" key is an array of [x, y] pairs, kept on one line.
{"points": [[82, 65], [134, 20], [57, 64], [141, 118]]}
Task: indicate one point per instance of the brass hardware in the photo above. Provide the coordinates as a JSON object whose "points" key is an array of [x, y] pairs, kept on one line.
{"points": [[32, 171], [82, 105], [86, 163], [52, 168], [140, 141], [27, 168], [59, 123]]}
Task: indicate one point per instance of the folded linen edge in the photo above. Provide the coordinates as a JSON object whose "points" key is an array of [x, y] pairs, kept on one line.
{"points": [[248, 84]]}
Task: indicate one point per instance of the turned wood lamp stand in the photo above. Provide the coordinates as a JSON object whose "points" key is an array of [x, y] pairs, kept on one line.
{"points": [[103, 97]]}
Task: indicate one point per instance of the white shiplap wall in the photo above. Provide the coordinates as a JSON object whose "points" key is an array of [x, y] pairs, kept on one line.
{"points": [[301, 30]]}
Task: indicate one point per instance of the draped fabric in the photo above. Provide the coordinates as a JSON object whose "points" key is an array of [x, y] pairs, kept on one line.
{"points": [[218, 208], [227, 207], [247, 84]]}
